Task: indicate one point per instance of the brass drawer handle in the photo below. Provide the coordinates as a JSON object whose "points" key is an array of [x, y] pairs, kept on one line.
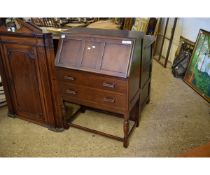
{"points": [[68, 91], [68, 78], [109, 85], [110, 100]]}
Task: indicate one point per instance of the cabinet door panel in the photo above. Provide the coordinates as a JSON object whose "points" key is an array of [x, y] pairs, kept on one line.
{"points": [[23, 73]]}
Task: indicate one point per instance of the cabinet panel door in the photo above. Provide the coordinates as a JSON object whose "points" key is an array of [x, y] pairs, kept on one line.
{"points": [[23, 73]]}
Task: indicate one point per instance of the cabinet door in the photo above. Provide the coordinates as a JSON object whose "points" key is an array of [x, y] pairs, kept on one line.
{"points": [[23, 72]]}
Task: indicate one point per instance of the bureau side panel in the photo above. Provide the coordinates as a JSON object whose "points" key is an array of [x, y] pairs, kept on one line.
{"points": [[134, 77], [146, 68]]}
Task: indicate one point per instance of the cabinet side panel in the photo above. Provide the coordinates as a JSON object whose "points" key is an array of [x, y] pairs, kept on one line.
{"points": [[56, 98], [45, 87]]}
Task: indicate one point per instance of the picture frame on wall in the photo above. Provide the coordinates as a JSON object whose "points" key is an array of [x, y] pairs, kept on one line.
{"points": [[198, 72]]}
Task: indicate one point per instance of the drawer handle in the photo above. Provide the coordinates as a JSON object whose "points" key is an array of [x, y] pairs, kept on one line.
{"points": [[69, 78], [109, 85], [110, 100], [68, 91]]}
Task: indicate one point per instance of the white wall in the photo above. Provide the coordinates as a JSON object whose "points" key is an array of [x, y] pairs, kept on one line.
{"points": [[191, 27], [188, 28]]}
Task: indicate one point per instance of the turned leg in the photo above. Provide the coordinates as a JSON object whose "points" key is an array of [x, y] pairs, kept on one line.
{"points": [[126, 130]]}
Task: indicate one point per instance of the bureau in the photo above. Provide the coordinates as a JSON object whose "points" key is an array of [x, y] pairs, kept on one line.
{"points": [[107, 70]]}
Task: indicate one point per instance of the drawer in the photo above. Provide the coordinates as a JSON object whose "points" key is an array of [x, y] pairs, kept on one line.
{"points": [[93, 97], [92, 80]]}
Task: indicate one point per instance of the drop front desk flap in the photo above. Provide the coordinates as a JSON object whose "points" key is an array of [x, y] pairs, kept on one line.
{"points": [[105, 69]]}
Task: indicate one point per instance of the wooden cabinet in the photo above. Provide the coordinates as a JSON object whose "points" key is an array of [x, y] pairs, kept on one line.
{"points": [[105, 69], [27, 69]]}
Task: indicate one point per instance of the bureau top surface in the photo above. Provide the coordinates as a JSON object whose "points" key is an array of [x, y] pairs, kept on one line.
{"points": [[105, 33]]}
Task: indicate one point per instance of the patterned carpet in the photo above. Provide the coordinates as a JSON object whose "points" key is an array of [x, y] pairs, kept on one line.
{"points": [[176, 120]]}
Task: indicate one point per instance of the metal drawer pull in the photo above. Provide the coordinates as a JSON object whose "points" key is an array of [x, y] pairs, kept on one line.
{"points": [[68, 91], [109, 85], [68, 78], [110, 100]]}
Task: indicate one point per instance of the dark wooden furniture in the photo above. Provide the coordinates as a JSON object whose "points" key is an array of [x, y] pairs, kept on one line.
{"points": [[105, 69], [27, 70]]}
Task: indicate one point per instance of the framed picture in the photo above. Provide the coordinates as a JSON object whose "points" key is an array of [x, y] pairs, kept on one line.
{"points": [[198, 72]]}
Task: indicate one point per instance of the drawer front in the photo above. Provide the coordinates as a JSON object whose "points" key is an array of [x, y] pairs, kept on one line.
{"points": [[92, 80], [93, 97]]}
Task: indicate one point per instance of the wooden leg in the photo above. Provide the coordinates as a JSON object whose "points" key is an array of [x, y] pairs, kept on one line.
{"points": [[82, 109], [148, 100], [66, 126], [137, 113], [126, 130]]}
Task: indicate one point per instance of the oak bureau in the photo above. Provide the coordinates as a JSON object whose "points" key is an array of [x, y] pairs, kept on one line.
{"points": [[108, 70]]}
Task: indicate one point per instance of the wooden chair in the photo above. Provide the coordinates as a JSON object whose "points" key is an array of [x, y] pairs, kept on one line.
{"points": [[45, 22]]}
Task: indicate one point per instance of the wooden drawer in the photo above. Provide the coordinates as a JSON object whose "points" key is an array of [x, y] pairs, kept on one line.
{"points": [[92, 80], [92, 97]]}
